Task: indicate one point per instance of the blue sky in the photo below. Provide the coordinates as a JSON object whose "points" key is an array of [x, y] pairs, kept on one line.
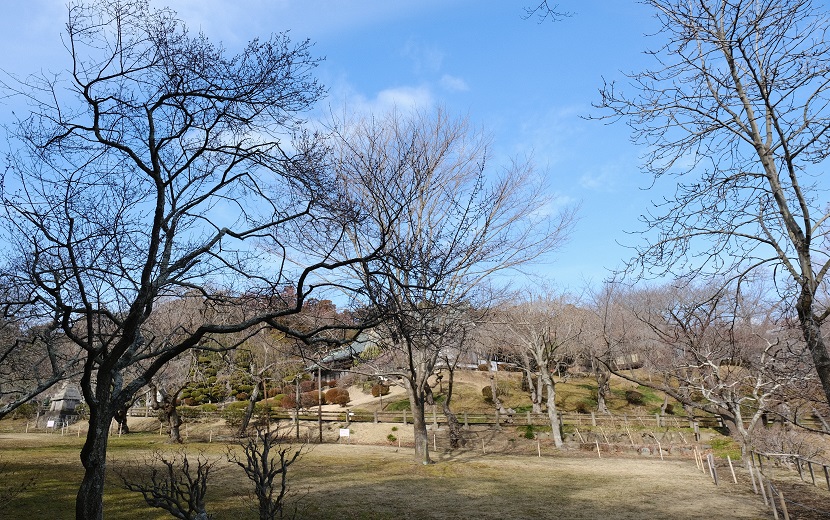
{"points": [[527, 84]]}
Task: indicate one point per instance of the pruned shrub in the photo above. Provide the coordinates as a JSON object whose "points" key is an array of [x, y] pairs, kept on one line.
{"points": [[379, 390], [331, 394], [332, 383], [189, 412], [483, 368], [309, 399], [487, 393], [307, 386], [583, 407], [234, 413], [634, 397], [338, 396], [288, 401]]}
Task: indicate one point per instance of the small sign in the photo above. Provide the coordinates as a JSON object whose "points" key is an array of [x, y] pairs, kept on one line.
{"points": [[344, 432], [50, 424]]}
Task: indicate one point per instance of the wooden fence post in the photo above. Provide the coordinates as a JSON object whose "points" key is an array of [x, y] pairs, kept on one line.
{"points": [[783, 505], [812, 474], [404, 417], [751, 475], [713, 471], [466, 423], [826, 476], [761, 485], [732, 469], [772, 500], [593, 419]]}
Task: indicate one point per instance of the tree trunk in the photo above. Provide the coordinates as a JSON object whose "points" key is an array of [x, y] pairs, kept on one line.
{"points": [[89, 504], [121, 419], [456, 439], [420, 428], [168, 408], [812, 336], [603, 377], [556, 432], [249, 412], [496, 401], [174, 421], [454, 427], [665, 405]]}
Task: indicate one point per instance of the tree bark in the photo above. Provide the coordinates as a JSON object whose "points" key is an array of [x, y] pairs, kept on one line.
{"points": [[89, 503], [812, 336], [553, 416], [420, 428], [249, 412], [603, 377]]}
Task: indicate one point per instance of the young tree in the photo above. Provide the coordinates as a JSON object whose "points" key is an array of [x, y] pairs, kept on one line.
{"points": [[737, 109], [446, 224], [155, 169]]}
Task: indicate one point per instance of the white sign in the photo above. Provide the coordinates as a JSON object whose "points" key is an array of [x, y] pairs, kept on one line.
{"points": [[344, 432], [50, 424]]}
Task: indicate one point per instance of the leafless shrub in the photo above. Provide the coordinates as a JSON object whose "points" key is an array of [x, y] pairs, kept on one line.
{"points": [[173, 485], [264, 459]]}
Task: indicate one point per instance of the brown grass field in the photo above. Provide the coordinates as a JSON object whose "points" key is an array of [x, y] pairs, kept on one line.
{"points": [[339, 481]]}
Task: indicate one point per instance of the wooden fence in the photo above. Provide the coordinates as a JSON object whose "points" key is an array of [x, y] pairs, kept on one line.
{"points": [[523, 418], [804, 466]]}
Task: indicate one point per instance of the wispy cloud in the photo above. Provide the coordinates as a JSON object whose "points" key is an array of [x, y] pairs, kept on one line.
{"points": [[344, 96], [426, 59], [454, 84]]}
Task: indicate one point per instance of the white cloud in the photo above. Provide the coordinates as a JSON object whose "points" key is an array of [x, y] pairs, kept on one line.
{"points": [[454, 84], [400, 98]]}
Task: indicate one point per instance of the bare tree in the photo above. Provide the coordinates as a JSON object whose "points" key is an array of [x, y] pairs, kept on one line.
{"points": [[612, 335], [174, 487], [265, 460], [738, 110], [155, 168], [543, 329], [721, 355], [445, 222]]}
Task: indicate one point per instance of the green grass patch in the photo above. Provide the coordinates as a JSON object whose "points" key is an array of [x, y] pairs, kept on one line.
{"points": [[723, 446], [399, 406]]}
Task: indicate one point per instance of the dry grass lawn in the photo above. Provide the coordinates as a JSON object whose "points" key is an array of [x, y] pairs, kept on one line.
{"points": [[337, 481]]}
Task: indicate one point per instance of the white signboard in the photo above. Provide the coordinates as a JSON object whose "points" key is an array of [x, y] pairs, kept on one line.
{"points": [[50, 424], [344, 432]]}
